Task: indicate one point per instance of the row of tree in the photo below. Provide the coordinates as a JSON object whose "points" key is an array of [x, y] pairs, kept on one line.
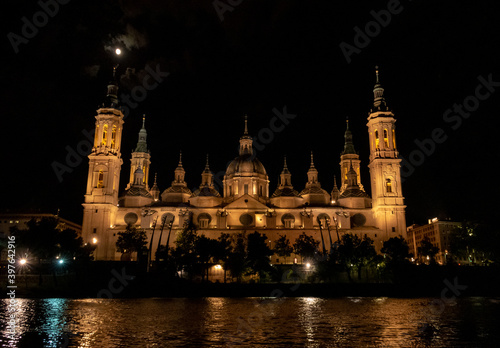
{"points": [[242, 254]]}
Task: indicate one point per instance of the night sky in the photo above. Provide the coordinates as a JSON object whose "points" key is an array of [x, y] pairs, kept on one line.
{"points": [[262, 55]]}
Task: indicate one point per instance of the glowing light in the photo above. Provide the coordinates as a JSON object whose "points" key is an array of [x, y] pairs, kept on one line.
{"points": [[61, 261], [118, 51], [23, 261], [94, 240], [218, 267], [308, 265]]}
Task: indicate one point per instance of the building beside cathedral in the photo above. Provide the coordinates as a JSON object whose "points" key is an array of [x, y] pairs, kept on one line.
{"points": [[247, 202]]}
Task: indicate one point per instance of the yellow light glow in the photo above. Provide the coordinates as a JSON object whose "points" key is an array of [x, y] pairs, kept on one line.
{"points": [[118, 51], [22, 261], [218, 267], [94, 240]]}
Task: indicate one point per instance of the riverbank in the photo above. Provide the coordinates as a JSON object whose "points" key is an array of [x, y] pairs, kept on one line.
{"points": [[126, 280]]}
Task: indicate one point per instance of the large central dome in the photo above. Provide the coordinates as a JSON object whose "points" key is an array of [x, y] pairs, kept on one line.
{"points": [[246, 175], [245, 164]]}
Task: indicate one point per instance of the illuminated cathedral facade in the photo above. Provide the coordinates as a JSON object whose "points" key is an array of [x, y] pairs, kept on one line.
{"points": [[246, 203]]}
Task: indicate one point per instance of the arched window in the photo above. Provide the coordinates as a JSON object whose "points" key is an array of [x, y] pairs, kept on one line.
{"points": [[386, 139], [376, 139], [113, 137], [388, 185], [394, 139], [100, 179], [105, 135]]}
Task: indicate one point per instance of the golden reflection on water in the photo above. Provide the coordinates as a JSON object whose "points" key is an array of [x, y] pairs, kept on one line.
{"points": [[249, 322]]}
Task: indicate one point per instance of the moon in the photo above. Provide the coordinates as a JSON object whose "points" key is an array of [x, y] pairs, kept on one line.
{"points": [[118, 51]]}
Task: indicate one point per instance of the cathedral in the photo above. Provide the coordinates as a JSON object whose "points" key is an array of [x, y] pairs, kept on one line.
{"points": [[246, 203]]}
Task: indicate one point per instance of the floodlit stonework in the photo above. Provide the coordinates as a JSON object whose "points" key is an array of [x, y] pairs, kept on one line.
{"points": [[246, 203]]}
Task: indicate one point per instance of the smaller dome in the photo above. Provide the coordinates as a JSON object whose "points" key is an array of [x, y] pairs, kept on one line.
{"points": [[313, 190], [206, 192], [285, 192], [178, 189], [245, 164]]}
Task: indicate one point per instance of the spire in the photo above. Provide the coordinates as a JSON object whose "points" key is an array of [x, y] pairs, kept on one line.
{"points": [[179, 171], [155, 191], [207, 167], [112, 94], [348, 145], [285, 176], [379, 103], [285, 167], [179, 165], [312, 173], [206, 176], [142, 146], [335, 191], [246, 141]]}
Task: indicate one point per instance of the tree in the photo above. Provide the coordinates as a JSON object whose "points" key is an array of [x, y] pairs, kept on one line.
{"points": [[282, 247], [222, 251], [131, 240], [356, 253], [236, 261], [396, 248], [205, 249], [305, 246], [185, 250], [258, 253], [427, 250], [474, 242]]}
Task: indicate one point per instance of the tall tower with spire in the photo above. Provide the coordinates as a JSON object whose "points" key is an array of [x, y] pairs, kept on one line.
{"points": [[385, 174], [349, 157], [101, 195], [141, 158]]}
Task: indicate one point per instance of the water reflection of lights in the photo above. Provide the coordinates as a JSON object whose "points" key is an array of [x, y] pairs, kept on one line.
{"points": [[309, 311], [355, 299]]}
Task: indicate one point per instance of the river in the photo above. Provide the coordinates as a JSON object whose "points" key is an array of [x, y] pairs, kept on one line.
{"points": [[253, 322]]}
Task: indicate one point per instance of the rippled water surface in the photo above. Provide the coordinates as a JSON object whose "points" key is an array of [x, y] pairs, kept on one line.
{"points": [[254, 322]]}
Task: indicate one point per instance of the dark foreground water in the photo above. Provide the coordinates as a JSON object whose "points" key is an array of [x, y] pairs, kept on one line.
{"points": [[254, 322]]}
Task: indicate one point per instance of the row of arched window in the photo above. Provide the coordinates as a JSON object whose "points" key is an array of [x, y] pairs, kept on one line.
{"points": [[386, 139], [106, 138]]}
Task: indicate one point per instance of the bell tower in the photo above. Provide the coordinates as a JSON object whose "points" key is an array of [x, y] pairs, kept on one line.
{"points": [[385, 174], [101, 196]]}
